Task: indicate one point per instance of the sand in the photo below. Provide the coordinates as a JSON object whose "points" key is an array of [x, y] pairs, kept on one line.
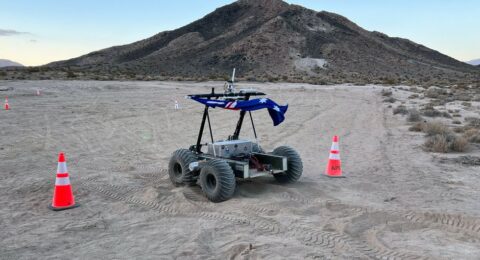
{"points": [[396, 201]]}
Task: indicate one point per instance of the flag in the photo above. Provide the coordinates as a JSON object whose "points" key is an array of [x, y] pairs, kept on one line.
{"points": [[277, 112]]}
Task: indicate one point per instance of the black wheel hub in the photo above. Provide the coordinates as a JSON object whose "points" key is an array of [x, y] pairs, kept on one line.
{"points": [[211, 181], [177, 169]]}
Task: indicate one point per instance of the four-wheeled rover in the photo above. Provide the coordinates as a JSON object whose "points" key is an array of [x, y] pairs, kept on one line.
{"points": [[216, 165]]}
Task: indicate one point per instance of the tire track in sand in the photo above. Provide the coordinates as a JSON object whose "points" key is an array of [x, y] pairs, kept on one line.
{"points": [[263, 226]]}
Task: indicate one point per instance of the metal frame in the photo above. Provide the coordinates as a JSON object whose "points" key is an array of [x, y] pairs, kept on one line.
{"points": [[241, 168], [206, 117]]}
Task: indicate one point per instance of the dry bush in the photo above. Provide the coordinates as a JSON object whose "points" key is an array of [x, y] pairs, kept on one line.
{"points": [[401, 109], [437, 144], [435, 92], [473, 122], [417, 127], [413, 115], [431, 112], [390, 100], [416, 90], [466, 104], [472, 135], [386, 93], [458, 144], [436, 128], [413, 96], [456, 122], [444, 143]]}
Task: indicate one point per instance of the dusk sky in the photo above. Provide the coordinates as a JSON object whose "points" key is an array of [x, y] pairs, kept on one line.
{"points": [[38, 32]]}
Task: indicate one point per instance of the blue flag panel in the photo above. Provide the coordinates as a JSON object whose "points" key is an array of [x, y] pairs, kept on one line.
{"points": [[277, 112]]}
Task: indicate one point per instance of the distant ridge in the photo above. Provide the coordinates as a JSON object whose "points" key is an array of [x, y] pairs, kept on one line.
{"points": [[9, 63], [475, 62], [271, 40]]}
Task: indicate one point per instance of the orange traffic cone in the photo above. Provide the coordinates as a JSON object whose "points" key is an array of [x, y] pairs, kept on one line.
{"points": [[7, 107], [334, 166], [62, 195]]}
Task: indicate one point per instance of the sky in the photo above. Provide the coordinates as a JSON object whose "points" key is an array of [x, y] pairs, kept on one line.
{"points": [[36, 32]]}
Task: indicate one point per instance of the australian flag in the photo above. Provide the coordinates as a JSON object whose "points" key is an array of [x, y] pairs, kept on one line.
{"points": [[277, 112]]}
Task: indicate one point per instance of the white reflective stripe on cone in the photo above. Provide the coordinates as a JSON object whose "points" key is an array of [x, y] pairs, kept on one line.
{"points": [[62, 167], [334, 146], [62, 181], [334, 156]]}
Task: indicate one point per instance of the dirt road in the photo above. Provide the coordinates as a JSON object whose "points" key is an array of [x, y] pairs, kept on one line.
{"points": [[396, 202]]}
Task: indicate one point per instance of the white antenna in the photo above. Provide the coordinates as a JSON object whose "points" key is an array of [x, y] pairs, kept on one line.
{"points": [[229, 87], [233, 75]]}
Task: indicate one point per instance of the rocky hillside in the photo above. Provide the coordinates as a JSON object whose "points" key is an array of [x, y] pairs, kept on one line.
{"points": [[271, 40]]}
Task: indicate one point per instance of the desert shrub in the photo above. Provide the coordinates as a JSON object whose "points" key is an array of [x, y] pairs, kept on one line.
{"points": [[472, 135], [413, 115], [390, 81], [466, 104], [456, 115], [3, 74], [432, 112], [70, 74], [456, 122], [435, 92], [473, 122], [458, 144], [446, 115], [462, 95], [417, 127], [401, 109], [33, 69], [386, 92], [272, 79], [415, 89], [436, 128], [436, 143], [413, 96], [390, 100], [444, 143]]}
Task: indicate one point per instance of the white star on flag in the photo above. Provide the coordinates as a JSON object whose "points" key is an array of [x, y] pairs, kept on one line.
{"points": [[263, 101], [276, 108]]}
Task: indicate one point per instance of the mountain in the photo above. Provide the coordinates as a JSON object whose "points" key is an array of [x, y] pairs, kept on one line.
{"points": [[9, 63], [475, 62], [272, 39]]}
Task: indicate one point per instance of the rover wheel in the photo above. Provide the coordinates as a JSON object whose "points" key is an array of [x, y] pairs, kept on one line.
{"points": [[178, 167], [294, 165], [217, 180]]}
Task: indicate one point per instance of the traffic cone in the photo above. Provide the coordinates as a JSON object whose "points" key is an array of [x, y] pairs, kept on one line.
{"points": [[334, 166], [7, 107], [62, 195]]}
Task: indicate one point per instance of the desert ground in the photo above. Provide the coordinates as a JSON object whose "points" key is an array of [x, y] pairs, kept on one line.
{"points": [[396, 202]]}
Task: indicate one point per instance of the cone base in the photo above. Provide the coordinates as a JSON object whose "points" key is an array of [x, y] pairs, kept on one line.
{"points": [[333, 176], [63, 208]]}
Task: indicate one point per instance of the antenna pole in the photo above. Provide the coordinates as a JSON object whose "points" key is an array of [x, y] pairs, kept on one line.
{"points": [[233, 75]]}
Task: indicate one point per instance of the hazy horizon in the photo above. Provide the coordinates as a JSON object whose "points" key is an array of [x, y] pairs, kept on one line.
{"points": [[35, 33]]}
